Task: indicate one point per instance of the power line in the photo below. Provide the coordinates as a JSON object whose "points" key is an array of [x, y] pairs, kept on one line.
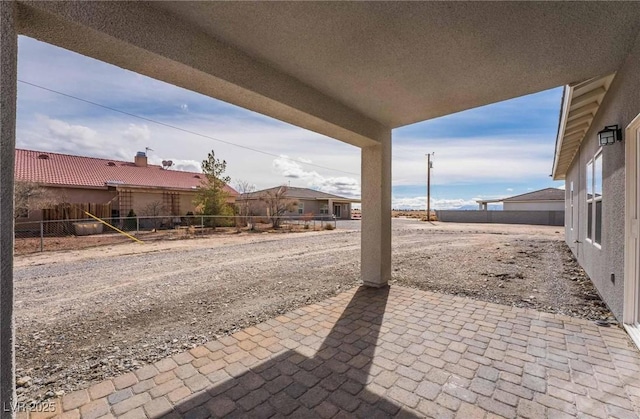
{"points": [[182, 129]]}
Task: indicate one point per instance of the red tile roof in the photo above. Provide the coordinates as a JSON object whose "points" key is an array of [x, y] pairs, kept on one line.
{"points": [[64, 169]]}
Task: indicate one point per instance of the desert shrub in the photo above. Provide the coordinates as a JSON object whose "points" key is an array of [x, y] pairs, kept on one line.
{"points": [[329, 226]]}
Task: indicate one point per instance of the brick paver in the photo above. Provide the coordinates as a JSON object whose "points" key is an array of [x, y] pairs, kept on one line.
{"points": [[387, 352]]}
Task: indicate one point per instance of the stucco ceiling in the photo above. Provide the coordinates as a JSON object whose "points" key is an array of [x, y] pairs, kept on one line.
{"points": [[404, 62]]}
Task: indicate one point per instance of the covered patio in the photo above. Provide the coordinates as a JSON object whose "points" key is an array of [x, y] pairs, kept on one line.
{"points": [[353, 72], [388, 352]]}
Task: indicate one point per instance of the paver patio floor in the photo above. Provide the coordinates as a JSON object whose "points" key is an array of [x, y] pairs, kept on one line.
{"points": [[383, 353]]}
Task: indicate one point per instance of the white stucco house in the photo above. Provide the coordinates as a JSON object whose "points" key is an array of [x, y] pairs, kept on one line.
{"points": [[597, 157], [548, 199]]}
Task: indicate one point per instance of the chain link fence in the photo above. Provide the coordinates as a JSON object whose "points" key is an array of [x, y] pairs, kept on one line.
{"points": [[42, 236]]}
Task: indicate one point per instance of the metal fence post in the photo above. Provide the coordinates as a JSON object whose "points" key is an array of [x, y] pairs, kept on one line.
{"points": [[137, 224], [202, 225], [41, 236]]}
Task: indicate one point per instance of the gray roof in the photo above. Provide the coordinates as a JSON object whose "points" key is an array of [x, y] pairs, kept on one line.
{"points": [[300, 193], [548, 194]]}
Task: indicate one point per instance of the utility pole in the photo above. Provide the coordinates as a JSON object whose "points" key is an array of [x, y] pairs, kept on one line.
{"points": [[429, 187]]}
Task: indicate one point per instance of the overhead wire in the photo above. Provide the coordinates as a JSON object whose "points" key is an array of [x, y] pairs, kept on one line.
{"points": [[188, 131]]}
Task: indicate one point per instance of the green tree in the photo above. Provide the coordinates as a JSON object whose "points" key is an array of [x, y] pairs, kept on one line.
{"points": [[212, 197]]}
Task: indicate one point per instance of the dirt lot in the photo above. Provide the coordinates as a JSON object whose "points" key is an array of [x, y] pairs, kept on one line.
{"points": [[29, 242], [82, 316]]}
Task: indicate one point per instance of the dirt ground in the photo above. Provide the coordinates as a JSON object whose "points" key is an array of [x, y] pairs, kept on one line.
{"points": [[25, 243], [86, 315]]}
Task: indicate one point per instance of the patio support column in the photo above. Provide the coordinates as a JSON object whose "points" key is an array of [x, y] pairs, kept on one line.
{"points": [[375, 260], [8, 80]]}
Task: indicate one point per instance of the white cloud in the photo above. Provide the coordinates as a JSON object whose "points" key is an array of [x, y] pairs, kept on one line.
{"points": [[64, 131], [472, 160], [341, 185], [178, 164], [420, 202], [137, 133], [55, 135], [509, 189], [184, 107]]}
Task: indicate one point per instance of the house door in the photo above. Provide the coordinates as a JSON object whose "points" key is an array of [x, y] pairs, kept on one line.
{"points": [[631, 311], [336, 210]]}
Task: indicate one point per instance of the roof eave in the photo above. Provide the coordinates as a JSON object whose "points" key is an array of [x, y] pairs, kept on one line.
{"points": [[339, 200], [581, 102], [564, 112]]}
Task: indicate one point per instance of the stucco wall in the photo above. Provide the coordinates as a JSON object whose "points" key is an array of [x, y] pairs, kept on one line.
{"points": [[259, 208], [620, 106], [75, 196], [555, 218], [533, 206], [142, 199]]}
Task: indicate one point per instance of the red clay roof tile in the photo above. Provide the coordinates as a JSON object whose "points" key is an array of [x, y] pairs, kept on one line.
{"points": [[65, 169]]}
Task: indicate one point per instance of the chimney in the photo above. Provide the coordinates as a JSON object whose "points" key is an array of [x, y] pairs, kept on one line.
{"points": [[141, 159]]}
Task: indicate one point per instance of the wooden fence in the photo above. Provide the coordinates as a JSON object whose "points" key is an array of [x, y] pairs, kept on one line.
{"points": [[63, 212]]}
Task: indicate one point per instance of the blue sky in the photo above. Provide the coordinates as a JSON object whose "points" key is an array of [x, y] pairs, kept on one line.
{"points": [[494, 151]]}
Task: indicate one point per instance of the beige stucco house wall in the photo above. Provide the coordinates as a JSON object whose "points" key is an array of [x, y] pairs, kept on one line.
{"points": [[604, 262], [304, 202]]}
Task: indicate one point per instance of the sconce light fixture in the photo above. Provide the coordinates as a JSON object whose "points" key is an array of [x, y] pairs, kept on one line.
{"points": [[609, 135]]}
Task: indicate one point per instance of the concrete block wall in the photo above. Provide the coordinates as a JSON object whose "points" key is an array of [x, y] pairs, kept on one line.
{"points": [[552, 218]]}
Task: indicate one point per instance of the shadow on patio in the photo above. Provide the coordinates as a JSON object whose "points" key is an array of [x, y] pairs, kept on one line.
{"points": [[332, 381], [388, 352]]}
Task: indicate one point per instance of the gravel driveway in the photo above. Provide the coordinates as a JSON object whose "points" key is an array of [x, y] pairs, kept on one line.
{"points": [[84, 316]]}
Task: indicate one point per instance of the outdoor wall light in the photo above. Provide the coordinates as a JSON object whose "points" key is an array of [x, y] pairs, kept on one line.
{"points": [[609, 135]]}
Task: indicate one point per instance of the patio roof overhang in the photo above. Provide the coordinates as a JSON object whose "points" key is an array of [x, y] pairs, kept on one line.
{"points": [[349, 70], [580, 105], [340, 200]]}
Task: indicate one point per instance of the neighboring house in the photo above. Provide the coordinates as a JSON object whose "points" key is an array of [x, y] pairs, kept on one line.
{"points": [[596, 156], [307, 201], [542, 207], [125, 186], [548, 199]]}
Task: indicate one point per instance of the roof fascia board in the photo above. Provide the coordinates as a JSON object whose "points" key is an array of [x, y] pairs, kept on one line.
{"points": [[61, 185], [154, 188], [568, 94]]}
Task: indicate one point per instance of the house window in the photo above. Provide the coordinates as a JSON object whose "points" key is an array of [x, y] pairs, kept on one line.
{"points": [[597, 197], [324, 209], [594, 200], [300, 208]]}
